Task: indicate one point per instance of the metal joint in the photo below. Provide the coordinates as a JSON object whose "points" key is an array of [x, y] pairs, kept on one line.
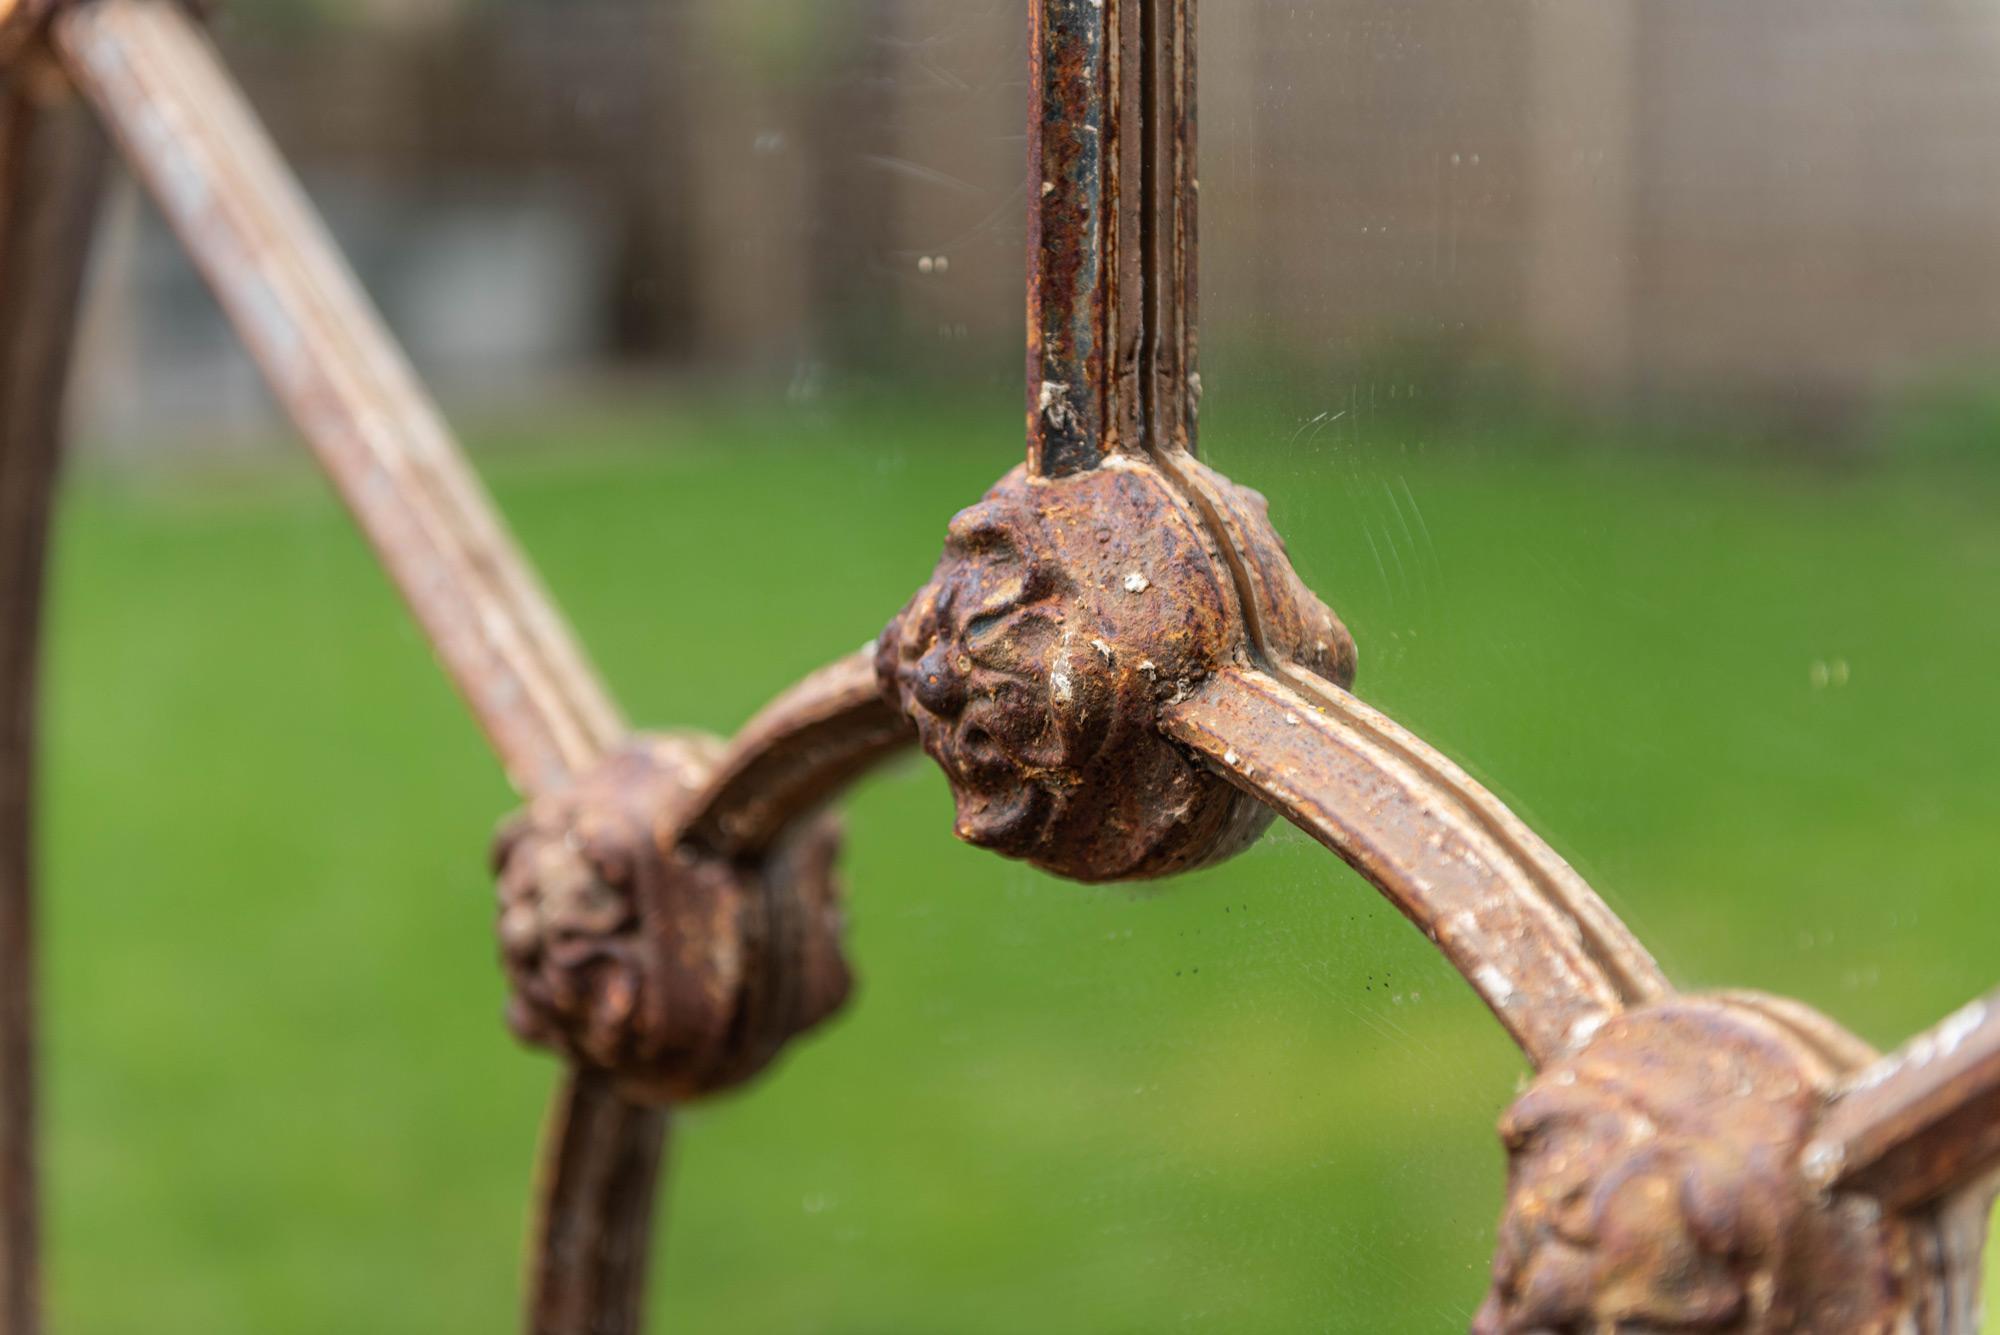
{"points": [[677, 970], [1064, 615]]}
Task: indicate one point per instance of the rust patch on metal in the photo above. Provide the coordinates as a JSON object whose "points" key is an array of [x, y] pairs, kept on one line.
{"points": [[1656, 1183], [681, 973], [1110, 232], [1067, 281], [1924, 1120], [1064, 614]]}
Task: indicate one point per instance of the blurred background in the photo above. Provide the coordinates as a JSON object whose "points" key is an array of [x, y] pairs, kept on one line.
{"points": [[1621, 370]]}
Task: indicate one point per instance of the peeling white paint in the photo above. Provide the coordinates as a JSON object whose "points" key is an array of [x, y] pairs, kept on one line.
{"points": [[1496, 987], [1585, 1029], [1823, 1162]]}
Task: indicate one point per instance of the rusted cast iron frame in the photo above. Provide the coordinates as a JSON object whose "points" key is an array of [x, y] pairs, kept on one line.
{"points": [[601, 1164], [750, 823], [1111, 230], [1271, 713], [1111, 334], [51, 160], [1921, 1122], [227, 194], [1537, 945], [1766, 1176], [225, 191], [241, 216], [796, 756], [730, 875], [1036, 735]]}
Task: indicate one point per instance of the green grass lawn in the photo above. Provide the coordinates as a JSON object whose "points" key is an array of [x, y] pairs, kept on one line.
{"points": [[1752, 701]]}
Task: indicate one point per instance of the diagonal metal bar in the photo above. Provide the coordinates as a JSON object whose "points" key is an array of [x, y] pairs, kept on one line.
{"points": [[1921, 1122], [1536, 943], [51, 166], [1111, 253], [226, 193]]}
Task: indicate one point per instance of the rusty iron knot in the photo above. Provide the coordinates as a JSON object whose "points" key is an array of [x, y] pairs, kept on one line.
{"points": [[1064, 613], [1655, 1183], [680, 971]]}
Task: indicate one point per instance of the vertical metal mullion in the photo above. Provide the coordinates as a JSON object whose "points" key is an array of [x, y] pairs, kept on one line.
{"points": [[51, 167], [1128, 221], [1068, 129], [1180, 399], [1111, 269]]}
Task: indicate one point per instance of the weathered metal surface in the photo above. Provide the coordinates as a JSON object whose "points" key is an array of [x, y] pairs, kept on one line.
{"points": [[740, 826], [795, 756], [1122, 676], [1655, 1183], [1534, 941], [1923, 1121], [1658, 1163], [226, 193], [1068, 122], [598, 1185], [1151, 305], [241, 216], [1064, 614], [679, 971], [1111, 231], [51, 161]]}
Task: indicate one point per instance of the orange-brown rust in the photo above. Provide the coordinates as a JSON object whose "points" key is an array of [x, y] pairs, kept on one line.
{"points": [[1064, 614], [1656, 1183], [1922, 1121], [1110, 231], [679, 972]]}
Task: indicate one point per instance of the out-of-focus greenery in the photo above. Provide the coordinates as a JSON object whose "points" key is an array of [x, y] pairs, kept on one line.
{"points": [[1753, 700]]}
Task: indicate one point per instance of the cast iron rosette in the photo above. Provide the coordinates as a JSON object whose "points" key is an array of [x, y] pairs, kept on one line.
{"points": [[680, 971], [1063, 614], [1655, 1184]]}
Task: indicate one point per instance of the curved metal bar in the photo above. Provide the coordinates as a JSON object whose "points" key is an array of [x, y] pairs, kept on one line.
{"points": [[795, 756], [51, 166], [1537, 945]]}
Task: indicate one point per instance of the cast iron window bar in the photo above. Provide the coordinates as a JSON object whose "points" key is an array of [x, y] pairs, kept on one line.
{"points": [[1114, 664]]}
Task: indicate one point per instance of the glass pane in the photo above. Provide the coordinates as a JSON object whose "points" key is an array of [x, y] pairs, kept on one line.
{"points": [[1617, 368]]}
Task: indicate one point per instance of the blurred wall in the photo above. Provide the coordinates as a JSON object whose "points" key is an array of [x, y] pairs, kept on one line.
{"points": [[1786, 199]]}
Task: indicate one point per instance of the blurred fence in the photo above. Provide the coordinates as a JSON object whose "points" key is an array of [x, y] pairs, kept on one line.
{"points": [[1791, 199]]}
